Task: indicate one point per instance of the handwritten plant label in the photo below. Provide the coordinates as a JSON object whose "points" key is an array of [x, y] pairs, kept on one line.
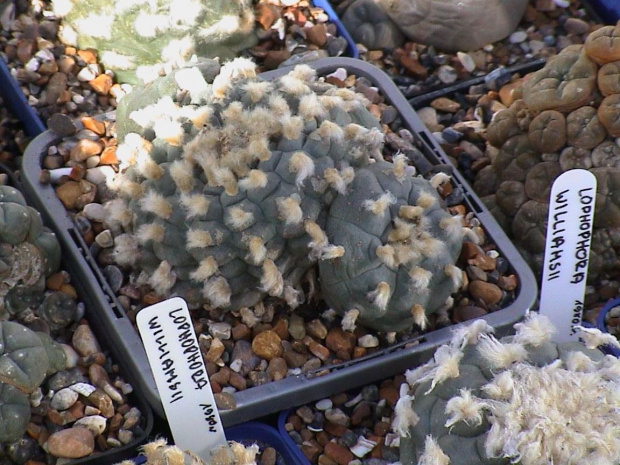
{"points": [[181, 376], [567, 250]]}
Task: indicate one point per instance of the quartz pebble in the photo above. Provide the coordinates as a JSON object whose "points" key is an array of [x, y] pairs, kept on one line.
{"points": [[64, 399]]}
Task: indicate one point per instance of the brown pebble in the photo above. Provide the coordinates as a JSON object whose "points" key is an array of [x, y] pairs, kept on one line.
{"points": [[241, 331], [68, 193], [237, 381], [268, 457], [413, 67], [102, 84], [317, 34], [281, 328], [483, 261], [92, 124], [467, 312], [84, 149], [325, 460], [103, 402], [225, 401], [108, 156], [446, 105], [267, 345], [89, 56], [71, 443], [360, 412], [508, 283], [340, 454], [316, 328], [381, 428], [216, 350], [311, 450], [390, 394], [275, 57], [319, 350], [84, 341], [277, 368], [489, 293], [335, 429]]}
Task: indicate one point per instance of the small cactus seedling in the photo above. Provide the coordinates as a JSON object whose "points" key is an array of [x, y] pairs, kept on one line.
{"points": [[231, 188]]}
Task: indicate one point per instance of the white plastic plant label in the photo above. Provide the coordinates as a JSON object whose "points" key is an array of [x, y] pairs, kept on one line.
{"points": [[181, 376], [567, 251]]}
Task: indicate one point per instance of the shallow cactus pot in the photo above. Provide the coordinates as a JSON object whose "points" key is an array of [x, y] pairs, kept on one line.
{"points": [[79, 273], [275, 396]]}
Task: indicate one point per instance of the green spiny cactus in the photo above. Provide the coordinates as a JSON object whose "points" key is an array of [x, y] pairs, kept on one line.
{"points": [[138, 38], [28, 252], [232, 188], [524, 399]]}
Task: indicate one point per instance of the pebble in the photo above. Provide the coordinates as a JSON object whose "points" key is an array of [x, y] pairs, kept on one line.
{"points": [[96, 424], [517, 37], [71, 443], [267, 345], [64, 399], [324, 404], [466, 60], [105, 239], [85, 342], [489, 293], [447, 74], [62, 125], [84, 389], [220, 330], [94, 212], [369, 340], [337, 416]]}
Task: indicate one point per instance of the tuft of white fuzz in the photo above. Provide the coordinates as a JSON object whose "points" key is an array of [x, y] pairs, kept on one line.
{"points": [[292, 85], [471, 236], [456, 275], [447, 359], [151, 449], [404, 415], [279, 107], [257, 89], [163, 278], [380, 205], [199, 238], [292, 296], [400, 166], [154, 202], [386, 254], [301, 164], [292, 127], [500, 355], [420, 278], [348, 175], [195, 204], [146, 166], [594, 338], [126, 251], [578, 361], [206, 268], [217, 291], [182, 173], [95, 25], [117, 212], [271, 280], [318, 236], [501, 387], [256, 179], [303, 72], [231, 71], [201, 116], [173, 455], [464, 335], [410, 212], [150, 232], [169, 130], [433, 455], [257, 250], [335, 181], [238, 219], [419, 316], [439, 179], [432, 247], [310, 107], [349, 319], [465, 407], [249, 317], [380, 296], [289, 209], [402, 231], [331, 252], [259, 148], [111, 59], [426, 200], [453, 226], [330, 131], [534, 330]]}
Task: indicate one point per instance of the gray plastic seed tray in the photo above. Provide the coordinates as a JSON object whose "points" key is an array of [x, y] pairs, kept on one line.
{"points": [[262, 400]]}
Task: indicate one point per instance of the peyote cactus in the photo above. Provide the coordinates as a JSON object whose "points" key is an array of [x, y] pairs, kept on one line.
{"points": [[232, 188], [158, 452], [28, 252], [524, 399], [138, 38], [566, 116]]}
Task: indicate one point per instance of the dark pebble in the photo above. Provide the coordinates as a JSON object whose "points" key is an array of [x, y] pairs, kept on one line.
{"points": [[336, 46], [243, 352], [21, 451], [114, 276], [390, 454], [451, 135], [497, 78], [388, 115], [62, 125], [348, 439], [83, 224], [65, 378], [296, 437], [456, 197], [370, 393], [501, 265]]}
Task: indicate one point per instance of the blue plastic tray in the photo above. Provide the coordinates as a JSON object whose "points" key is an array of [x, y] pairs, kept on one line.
{"points": [[607, 10], [600, 321], [288, 441], [352, 50]]}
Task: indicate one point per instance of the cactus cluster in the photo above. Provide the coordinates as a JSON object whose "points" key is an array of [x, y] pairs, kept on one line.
{"points": [[231, 188], [565, 116], [137, 39], [523, 399]]}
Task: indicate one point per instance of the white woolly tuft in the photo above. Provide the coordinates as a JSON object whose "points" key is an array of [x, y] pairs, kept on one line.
{"points": [[318, 236], [380, 205], [271, 280], [217, 290], [207, 268], [330, 131], [293, 85], [233, 113], [465, 407], [349, 319], [420, 278], [238, 219], [386, 254], [331, 252], [231, 71], [182, 173], [404, 415], [199, 238], [432, 247], [154, 202], [419, 316], [410, 212], [257, 89], [380, 296], [439, 179], [310, 107], [595, 338], [453, 227], [426, 200], [500, 355], [402, 230], [126, 251], [146, 166], [256, 179], [447, 359], [303, 72], [289, 209], [150, 449], [433, 455], [400, 166], [195, 204], [173, 455], [534, 330], [348, 175], [258, 251], [301, 164], [471, 236], [292, 296], [578, 361], [259, 148], [169, 130], [117, 212], [464, 335], [163, 278], [335, 181], [456, 275], [279, 107], [501, 387], [201, 116], [292, 127], [249, 317], [150, 232]]}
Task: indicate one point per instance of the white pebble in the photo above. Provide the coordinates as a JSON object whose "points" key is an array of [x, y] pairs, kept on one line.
{"points": [[447, 74], [94, 212], [428, 115], [56, 174], [95, 423], [125, 436], [84, 389], [64, 399], [45, 55], [113, 442], [236, 365], [517, 37], [467, 61], [324, 404], [99, 174], [71, 355], [367, 341], [36, 397], [337, 416], [104, 239], [340, 73], [32, 64], [86, 74], [220, 330], [362, 447]]}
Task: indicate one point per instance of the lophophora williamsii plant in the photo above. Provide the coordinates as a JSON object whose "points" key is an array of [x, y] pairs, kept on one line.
{"points": [[566, 116], [523, 399], [158, 452], [28, 254], [232, 188], [138, 39]]}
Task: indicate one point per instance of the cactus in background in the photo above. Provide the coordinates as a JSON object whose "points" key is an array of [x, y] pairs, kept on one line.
{"points": [[137, 39], [524, 399], [28, 253], [231, 188]]}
